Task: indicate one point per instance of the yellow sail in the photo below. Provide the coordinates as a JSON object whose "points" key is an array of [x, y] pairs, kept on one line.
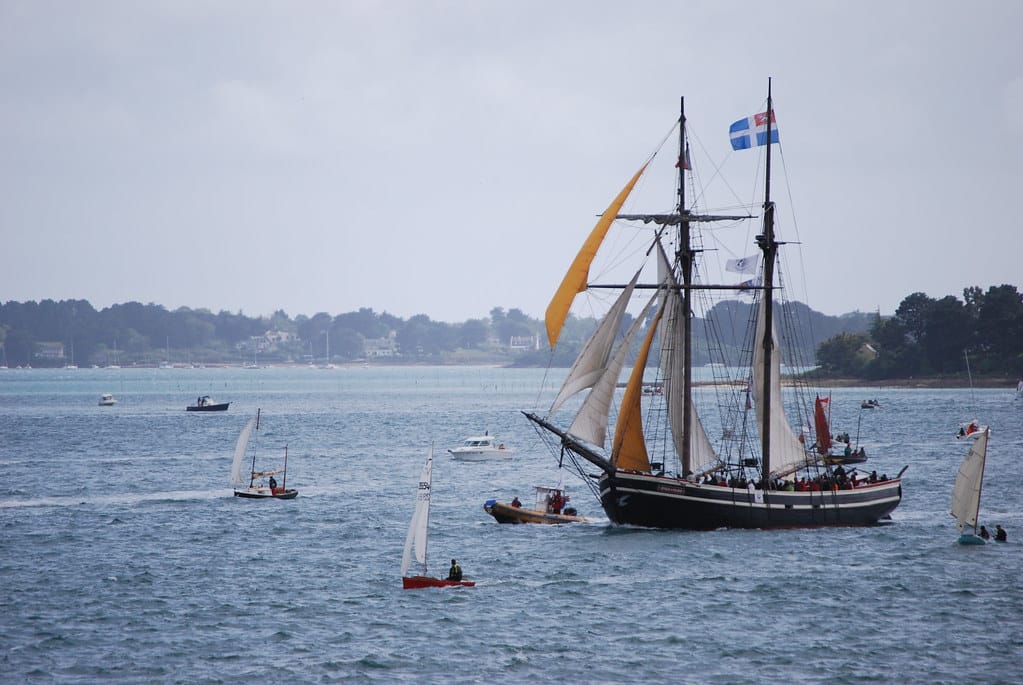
{"points": [[629, 447], [575, 280]]}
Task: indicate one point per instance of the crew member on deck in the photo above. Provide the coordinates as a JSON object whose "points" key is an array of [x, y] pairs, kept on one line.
{"points": [[273, 484], [1000, 534], [984, 534], [455, 572]]}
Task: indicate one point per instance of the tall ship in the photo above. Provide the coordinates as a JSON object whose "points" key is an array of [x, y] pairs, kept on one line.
{"points": [[649, 457]]}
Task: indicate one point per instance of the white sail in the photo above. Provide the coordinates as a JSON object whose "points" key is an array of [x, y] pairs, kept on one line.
{"points": [[239, 453], [701, 452], [966, 493], [593, 358], [590, 422], [786, 451], [415, 541]]}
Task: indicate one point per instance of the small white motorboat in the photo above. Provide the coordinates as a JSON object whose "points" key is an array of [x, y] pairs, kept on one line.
{"points": [[107, 400], [479, 448]]}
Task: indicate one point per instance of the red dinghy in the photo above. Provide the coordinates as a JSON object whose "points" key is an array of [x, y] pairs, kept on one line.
{"points": [[419, 582], [415, 541]]}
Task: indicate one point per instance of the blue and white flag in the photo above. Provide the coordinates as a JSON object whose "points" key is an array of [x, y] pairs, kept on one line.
{"points": [[748, 287], [744, 265], [752, 131]]}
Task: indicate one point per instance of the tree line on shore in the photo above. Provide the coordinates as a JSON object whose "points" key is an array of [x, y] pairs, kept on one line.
{"points": [[925, 337], [935, 337], [57, 333]]}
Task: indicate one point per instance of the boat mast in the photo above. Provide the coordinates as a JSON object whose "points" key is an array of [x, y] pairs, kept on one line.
{"points": [[284, 485], [980, 483], [769, 246], [252, 471], [426, 526], [685, 259]]}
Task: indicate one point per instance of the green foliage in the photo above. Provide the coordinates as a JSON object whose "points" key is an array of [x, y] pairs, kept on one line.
{"points": [[925, 336], [930, 336]]}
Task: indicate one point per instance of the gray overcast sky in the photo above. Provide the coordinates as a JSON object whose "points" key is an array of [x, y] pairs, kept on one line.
{"points": [[448, 157]]}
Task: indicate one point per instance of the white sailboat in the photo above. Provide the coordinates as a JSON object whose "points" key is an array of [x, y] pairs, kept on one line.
{"points": [[966, 493], [415, 541], [261, 484]]}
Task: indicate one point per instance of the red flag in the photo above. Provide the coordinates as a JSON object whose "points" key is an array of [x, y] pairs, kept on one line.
{"points": [[684, 161]]}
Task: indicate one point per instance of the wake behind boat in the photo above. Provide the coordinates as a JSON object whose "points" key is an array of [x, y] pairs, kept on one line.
{"points": [[760, 474], [415, 541], [261, 484], [204, 403]]}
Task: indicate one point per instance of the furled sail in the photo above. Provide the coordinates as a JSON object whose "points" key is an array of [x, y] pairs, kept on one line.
{"points": [[590, 422], [593, 358], [701, 452], [239, 453], [966, 493], [786, 450], [628, 449], [415, 541], [574, 281]]}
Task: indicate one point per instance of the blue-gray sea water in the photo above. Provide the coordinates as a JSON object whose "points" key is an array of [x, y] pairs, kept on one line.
{"points": [[124, 556]]}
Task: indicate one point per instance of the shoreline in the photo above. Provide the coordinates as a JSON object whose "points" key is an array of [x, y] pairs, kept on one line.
{"points": [[925, 382]]}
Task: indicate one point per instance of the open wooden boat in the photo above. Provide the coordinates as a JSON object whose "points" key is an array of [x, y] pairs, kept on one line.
{"points": [[547, 508]]}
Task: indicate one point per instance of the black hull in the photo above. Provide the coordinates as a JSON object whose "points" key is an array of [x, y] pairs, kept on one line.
{"points": [[662, 502], [287, 494], [209, 407]]}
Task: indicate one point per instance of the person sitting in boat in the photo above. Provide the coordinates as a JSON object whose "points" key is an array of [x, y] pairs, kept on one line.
{"points": [[984, 534], [1000, 534], [516, 503], [968, 429], [455, 572], [273, 485], [848, 450]]}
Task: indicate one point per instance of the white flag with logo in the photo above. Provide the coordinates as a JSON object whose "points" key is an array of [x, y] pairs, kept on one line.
{"points": [[744, 265]]}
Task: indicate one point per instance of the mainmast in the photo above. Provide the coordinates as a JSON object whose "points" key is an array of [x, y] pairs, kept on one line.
{"points": [[685, 259], [769, 247]]}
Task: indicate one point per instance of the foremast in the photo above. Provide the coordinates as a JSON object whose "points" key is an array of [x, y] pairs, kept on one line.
{"points": [[594, 368], [685, 259]]}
